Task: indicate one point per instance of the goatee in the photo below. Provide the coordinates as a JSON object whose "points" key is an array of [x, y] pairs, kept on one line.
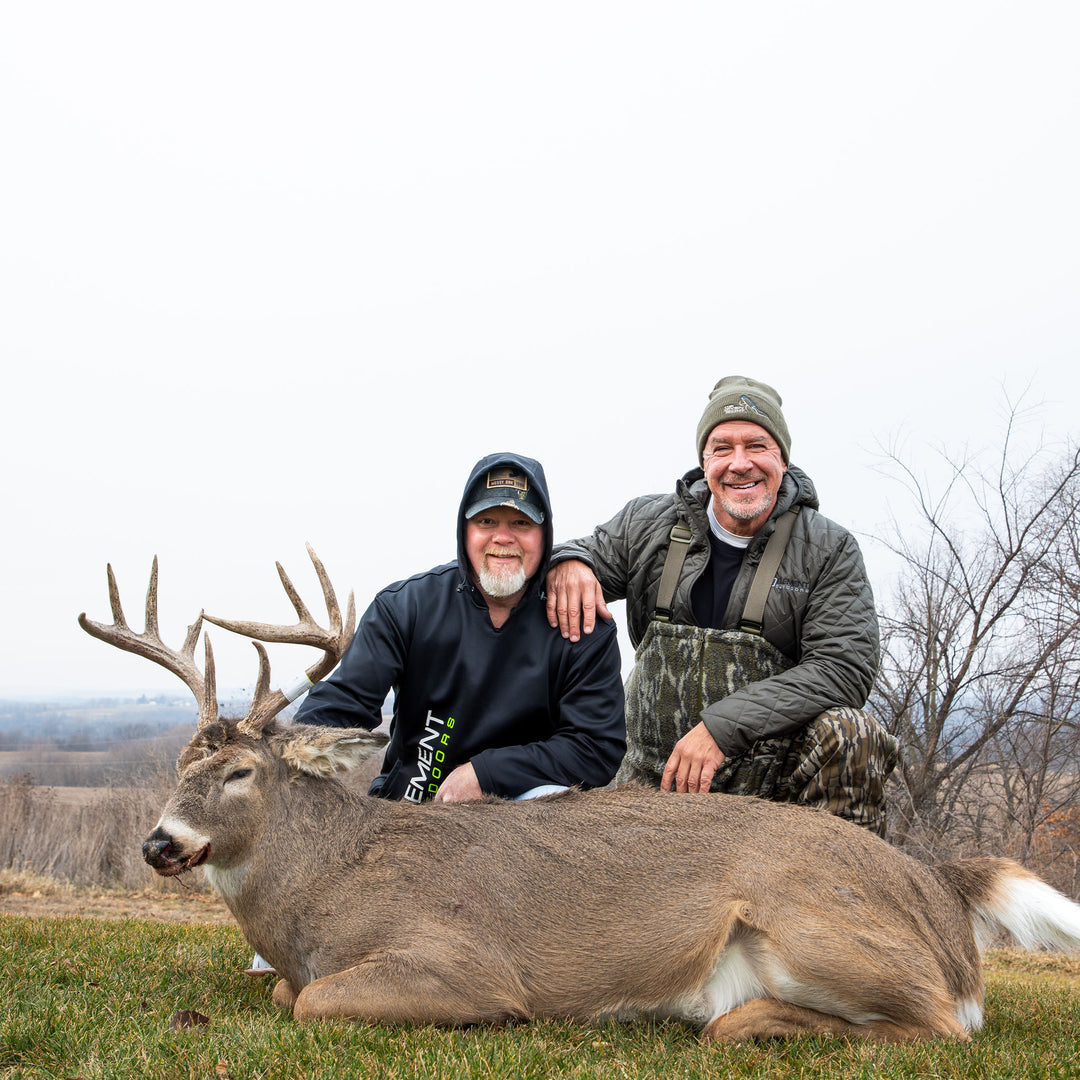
{"points": [[502, 584]]}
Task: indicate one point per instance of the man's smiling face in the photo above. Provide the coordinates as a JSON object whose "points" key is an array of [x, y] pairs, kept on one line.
{"points": [[505, 548], [743, 466]]}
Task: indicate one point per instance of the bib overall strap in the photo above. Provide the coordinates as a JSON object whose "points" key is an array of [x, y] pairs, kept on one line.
{"points": [[669, 578], [754, 610]]}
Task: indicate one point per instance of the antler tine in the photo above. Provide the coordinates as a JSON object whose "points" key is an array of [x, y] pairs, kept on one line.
{"points": [[210, 679], [150, 621], [350, 618], [333, 640], [267, 703], [149, 645], [294, 597], [114, 594]]}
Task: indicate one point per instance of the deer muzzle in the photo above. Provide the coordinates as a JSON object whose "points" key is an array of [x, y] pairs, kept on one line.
{"points": [[162, 853]]}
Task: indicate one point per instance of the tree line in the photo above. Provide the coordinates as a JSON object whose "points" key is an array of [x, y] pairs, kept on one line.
{"points": [[980, 671], [90, 726]]}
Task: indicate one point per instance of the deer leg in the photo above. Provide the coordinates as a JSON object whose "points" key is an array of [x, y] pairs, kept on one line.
{"points": [[284, 996], [402, 989], [769, 1018]]}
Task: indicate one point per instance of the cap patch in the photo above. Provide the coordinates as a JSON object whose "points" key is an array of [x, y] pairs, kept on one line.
{"points": [[508, 477]]}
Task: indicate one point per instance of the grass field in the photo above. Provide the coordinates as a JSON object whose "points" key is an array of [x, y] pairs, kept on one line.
{"points": [[93, 1000]]}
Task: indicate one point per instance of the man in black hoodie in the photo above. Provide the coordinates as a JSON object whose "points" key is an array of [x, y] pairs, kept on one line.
{"points": [[488, 698]]}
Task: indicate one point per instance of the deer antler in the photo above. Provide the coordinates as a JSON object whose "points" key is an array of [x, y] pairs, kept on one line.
{"points": [[333, 641], [150, 645]]}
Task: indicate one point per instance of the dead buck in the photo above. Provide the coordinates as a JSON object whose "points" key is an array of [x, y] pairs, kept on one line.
{"points": [[746, 917]]}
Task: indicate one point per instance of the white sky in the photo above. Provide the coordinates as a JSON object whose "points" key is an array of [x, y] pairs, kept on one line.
{"points": [[273, 273]]}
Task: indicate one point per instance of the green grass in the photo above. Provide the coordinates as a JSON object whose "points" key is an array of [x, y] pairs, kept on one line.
{"points": [[88, 999]]}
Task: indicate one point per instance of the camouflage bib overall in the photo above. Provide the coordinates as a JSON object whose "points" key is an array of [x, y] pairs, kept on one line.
{"points": [[839, 760], [678, 670]]}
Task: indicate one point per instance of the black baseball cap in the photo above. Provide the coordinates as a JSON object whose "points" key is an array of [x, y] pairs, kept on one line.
{"points": [[504, 485]]}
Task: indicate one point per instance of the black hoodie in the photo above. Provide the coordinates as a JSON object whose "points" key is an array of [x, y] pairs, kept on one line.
{"points": [[524, 705]]}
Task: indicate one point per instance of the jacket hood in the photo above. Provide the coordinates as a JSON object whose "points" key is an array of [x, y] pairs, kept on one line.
{"points": [[796, 489], [535, 472]]}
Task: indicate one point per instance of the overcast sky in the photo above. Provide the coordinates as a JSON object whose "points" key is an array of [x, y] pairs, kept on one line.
{"points": [[273, 273]]}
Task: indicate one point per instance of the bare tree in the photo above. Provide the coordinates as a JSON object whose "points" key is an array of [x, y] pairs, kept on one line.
{"points": [[980, 647], [1040, 749]]}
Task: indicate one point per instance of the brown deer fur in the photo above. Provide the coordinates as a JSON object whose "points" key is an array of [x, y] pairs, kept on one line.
{"points": [[747, 917]]}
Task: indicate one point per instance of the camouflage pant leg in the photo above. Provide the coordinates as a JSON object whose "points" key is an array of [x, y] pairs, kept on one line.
{"points": [[846, 760], [838, 762]]}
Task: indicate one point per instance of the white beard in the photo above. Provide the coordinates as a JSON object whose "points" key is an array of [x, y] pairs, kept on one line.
{"points": [[503, 584]]}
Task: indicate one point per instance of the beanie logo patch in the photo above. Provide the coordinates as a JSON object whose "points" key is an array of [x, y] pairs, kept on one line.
{"points": [[744, 404]]}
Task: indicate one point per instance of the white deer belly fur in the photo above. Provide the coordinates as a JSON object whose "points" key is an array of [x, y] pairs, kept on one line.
{"points": [[736, 980], [733, 982]]}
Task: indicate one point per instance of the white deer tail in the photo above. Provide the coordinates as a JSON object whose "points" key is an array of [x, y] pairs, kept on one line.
{"points": [[1002, 896]]}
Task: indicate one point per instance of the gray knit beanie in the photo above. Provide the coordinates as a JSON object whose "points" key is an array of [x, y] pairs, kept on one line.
{"points": [[736, 397]]}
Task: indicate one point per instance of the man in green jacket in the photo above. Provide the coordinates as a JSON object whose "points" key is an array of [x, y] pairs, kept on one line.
{"points": [[745, 682]]}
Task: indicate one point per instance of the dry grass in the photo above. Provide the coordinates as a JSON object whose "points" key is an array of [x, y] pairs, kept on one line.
{"points": [[1017, 967], [33, 883], [93, 839]]}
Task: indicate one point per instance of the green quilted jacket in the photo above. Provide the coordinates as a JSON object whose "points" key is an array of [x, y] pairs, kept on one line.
{"points": [[820, 612]]}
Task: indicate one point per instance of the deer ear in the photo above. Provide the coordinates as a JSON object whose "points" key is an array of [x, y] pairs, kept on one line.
{"points": [[323, 751]]}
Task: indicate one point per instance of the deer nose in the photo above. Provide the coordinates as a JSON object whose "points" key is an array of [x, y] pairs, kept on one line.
{"points": [[156, 846]]}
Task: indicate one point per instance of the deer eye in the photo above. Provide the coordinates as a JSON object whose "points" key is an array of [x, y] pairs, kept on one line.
{"points": [[238, 774]]}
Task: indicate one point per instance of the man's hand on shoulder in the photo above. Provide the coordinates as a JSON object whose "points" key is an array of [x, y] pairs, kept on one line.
{"points": [[460, 786], [574, 599], [693, 762]]}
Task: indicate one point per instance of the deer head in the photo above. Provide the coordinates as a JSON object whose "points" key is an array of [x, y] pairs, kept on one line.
{"points": [[231, 787], [231, 768]]}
